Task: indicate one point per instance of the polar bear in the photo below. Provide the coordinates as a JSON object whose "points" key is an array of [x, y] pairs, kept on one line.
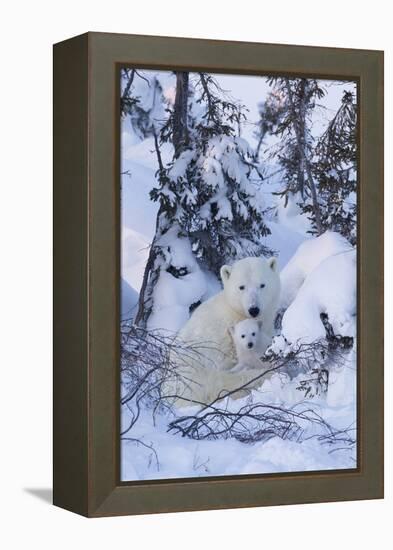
{"points": [[250, 344], [251, 290]]}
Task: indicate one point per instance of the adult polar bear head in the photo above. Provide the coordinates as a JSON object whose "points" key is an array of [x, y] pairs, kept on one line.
{"points": [[252, 286]]}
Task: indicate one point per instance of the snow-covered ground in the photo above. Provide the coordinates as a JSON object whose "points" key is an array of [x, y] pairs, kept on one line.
{"points": [[327, 285], [318, 276], [175, 456]]}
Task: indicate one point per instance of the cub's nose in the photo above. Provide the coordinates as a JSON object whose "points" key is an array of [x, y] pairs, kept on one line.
{"points": [[250, 345], [254, 311]]}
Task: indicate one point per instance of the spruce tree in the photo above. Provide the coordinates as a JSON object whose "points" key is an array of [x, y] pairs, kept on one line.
{"points": [[206, 196], [296, 148], [336, 170], [141, 93], [207, 188], [270, 113]]}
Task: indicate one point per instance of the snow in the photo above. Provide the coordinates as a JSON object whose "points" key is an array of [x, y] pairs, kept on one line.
{"points": [[289, 216], [172, 295], [134, 254], [342, 386], [180, 165], [225, 150], [138, 211], [308, 256], [142, 152], [329, 288], [224, 458], [182, 457], [283, 241], [129, 300]]}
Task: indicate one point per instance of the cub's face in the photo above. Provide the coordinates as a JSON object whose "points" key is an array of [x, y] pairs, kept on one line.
{"points": [[250, 285], [245, 334]]}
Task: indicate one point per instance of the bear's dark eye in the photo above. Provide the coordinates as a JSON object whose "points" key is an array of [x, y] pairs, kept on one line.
{"points": [[253, 334], [263, 285], [243, 335], [242, 287]]}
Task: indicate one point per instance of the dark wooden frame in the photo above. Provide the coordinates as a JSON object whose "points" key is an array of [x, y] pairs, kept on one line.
{"points": [[86, 275]]}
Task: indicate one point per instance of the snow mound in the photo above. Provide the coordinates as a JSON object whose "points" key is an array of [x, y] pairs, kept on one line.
{"points": [[174, 294], [138, 211], [134, 253], [307, 257], [330, 288], [129, 300]]}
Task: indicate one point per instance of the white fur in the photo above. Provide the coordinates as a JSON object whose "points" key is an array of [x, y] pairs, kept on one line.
{"points": [[250, 344], [250, 284]]}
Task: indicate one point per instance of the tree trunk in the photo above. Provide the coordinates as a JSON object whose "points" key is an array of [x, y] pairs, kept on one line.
{"points": [[180, 129], [180, 140], [129, 83], [300, 130]]}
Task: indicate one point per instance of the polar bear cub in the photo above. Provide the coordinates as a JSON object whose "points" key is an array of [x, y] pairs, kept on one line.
{"points": [[250, 344]]}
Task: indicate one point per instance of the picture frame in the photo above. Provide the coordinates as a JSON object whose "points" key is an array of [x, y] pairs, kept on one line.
{"points": [[86, 386]]}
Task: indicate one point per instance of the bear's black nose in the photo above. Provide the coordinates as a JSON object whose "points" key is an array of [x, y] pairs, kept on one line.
{"points": [[254, 311], [250, 344]]}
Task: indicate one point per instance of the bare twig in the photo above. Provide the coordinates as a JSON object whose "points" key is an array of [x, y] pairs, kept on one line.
{"points": [[151, 358]]}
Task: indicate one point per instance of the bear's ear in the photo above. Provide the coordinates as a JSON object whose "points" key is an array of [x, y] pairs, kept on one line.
{"points": [[225, 272], [272, 263]]}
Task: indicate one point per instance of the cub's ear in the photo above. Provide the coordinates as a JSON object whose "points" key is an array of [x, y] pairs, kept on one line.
{"points": [[272, 263], [225, 272]]}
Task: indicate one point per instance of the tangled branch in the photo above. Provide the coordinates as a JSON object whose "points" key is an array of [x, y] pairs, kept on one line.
{"points": [[259, 421], [149, 359]]}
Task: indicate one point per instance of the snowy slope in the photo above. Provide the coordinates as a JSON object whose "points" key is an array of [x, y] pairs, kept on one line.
{"points": [[128, 300], [138, 211], [283, 241]]}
